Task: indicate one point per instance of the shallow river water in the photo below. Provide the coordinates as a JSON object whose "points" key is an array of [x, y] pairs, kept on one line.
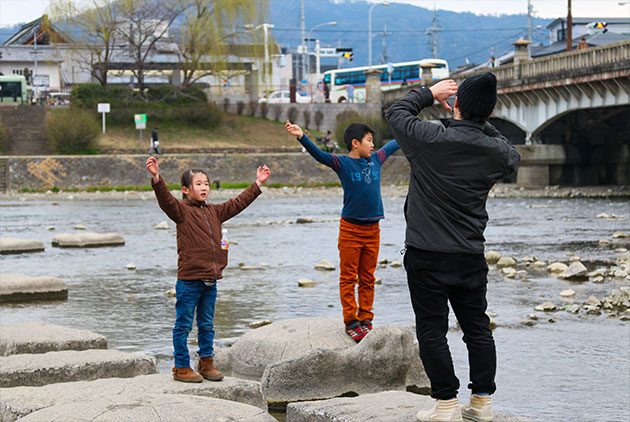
{"points": [[577, 368]]}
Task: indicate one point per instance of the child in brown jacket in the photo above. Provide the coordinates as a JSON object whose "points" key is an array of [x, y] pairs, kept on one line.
{"points": [[202, 257]]}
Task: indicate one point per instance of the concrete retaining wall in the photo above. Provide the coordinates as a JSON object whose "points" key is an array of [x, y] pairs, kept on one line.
{"points": [[44, 172], [319, 116]]}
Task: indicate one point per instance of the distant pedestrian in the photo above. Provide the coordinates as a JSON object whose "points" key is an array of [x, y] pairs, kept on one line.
{"points": [[404, 82], [582, 45], [492, 63], [154, 143], [350, 92]]}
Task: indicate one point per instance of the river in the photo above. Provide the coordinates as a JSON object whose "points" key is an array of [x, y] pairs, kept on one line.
{"points": [[576, 368]]}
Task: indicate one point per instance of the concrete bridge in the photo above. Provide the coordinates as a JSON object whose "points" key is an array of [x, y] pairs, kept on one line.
{"points": [[571, 110]]}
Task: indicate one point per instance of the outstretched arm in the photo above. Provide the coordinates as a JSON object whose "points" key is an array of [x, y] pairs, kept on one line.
{"points": [[325, 158], [166, 200]]}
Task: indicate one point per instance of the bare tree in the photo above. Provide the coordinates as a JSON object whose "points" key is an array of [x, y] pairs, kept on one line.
{"points": [[91, 28], [206, 36], [142, 25]]}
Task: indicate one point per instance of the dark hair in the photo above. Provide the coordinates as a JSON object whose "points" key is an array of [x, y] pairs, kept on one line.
{"points": [[473, 118], [356, 131], [187, 177]]}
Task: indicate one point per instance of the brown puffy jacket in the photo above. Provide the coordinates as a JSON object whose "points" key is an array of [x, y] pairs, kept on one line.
{"points": [[199, 230]]}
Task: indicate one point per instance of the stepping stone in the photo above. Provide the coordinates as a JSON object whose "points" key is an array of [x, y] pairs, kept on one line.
{"points": [[10, 245], [388, 406], [151, 407], [70, 365], [87, 240], [39, 337], [20, 288], [20, 401]]}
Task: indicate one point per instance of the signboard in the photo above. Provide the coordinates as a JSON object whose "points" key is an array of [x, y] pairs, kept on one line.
{"points": [[41, 80], [140, 118], [103, 107], [141, 125]]}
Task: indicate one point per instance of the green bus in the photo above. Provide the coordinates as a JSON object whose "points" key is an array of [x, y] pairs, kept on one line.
{"points": [[13, 89]]}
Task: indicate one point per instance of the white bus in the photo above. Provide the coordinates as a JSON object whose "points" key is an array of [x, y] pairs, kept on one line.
{"points": [[405, 73]]}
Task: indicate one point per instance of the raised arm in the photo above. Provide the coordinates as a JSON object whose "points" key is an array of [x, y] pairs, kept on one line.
{"points": [[387, 150], [402, 116], [325, 158], [167, 202]]}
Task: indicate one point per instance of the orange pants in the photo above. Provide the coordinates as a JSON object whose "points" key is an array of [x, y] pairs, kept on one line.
{"points": [[358, 256]]}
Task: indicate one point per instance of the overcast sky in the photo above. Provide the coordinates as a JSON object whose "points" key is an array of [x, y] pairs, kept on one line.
{"points": [[20, 11]]}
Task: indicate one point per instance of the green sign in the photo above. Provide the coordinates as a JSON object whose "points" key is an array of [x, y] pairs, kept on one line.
{"points": [[140, 118]]}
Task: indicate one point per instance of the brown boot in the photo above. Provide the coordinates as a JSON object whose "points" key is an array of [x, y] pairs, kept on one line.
{"points": [[186, 375], [206, 368]]}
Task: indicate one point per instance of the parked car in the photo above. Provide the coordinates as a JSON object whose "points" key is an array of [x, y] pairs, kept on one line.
{"points": [[278, 97]]}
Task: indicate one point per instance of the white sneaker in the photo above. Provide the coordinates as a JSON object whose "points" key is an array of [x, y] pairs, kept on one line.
{"points": [[479, 409], [443, 410]]}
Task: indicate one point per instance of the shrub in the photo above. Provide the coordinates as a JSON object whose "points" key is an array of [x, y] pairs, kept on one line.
{"points": [[319, 116], [307, 118], [264, 108], [377, 123], [240, 105], [72, 131], [89, 95], [4, 137], [292, 114]]}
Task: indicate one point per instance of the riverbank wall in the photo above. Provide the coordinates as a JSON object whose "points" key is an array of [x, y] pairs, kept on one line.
{"points": [[64, 172]]}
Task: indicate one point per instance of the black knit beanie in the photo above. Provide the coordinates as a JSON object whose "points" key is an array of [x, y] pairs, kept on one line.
{"points": [[477, 95]]}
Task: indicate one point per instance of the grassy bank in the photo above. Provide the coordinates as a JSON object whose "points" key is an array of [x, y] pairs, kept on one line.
{"points": [[234, 132]]}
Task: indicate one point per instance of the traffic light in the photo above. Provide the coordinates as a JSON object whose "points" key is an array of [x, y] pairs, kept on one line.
{"points": [[598, 26], [346, 53]]}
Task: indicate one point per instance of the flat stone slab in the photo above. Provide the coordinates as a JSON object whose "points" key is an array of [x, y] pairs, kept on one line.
{"points": [[20, 288], [151, 408], [39, 337], [17, 402], [9, 245], [387, 406], [70, 365], [87, 240]]}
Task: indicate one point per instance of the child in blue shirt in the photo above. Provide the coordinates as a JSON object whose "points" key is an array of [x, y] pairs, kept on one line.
{"points": [[359, 232]]}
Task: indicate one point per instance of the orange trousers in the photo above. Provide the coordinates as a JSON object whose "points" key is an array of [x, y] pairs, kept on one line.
{"points": [[358, 256]]}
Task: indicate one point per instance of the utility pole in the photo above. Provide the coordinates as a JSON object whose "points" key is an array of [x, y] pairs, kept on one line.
{"points": [[569, 28], [384, 34], [530, 12], [432, 32], [303, 22]]}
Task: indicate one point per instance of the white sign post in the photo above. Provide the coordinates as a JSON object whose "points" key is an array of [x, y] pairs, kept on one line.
{"points": [[103, 108], [141, 123]]}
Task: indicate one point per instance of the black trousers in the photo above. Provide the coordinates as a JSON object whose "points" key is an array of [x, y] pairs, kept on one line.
{"points": [[435, 279]]}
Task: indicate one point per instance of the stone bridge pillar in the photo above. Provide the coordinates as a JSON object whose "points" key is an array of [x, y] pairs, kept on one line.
{"points": [[427, 75], [373, 86], [521, 54]]}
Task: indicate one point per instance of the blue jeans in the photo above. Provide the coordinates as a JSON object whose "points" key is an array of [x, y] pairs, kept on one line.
{"points": [[190, 295]]}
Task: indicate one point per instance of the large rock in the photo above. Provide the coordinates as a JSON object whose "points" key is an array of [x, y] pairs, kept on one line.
{"points": [[39, 337], [557, 267], [506, 261], [417, 379], [492, 257], [576, 271], [20, 401], [19, 288], [308, 358], [388, 406], [87, 240], [70, 365], [151, 407], [10, 245]]}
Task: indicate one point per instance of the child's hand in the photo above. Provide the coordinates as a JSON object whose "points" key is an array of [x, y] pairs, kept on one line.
{"points": [[262, 174], [294, 130], [153, 168], [442, 90]]}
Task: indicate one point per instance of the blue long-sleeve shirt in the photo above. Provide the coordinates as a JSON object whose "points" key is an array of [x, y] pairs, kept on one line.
{"points": [[360, 178]]}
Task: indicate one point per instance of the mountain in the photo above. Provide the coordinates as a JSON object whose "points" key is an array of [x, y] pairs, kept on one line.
{"points": [[463, 36]]}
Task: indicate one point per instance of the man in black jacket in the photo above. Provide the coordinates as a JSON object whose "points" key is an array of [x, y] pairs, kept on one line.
{"points": [[452, 170]]}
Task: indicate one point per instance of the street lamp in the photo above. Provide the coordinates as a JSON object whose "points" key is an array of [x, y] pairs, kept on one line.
{"points": [[308, 72], [383, 3], [265, 27]]}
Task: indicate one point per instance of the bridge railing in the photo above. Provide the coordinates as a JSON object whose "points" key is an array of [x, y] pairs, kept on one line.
{"points": [[578, 59]]}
